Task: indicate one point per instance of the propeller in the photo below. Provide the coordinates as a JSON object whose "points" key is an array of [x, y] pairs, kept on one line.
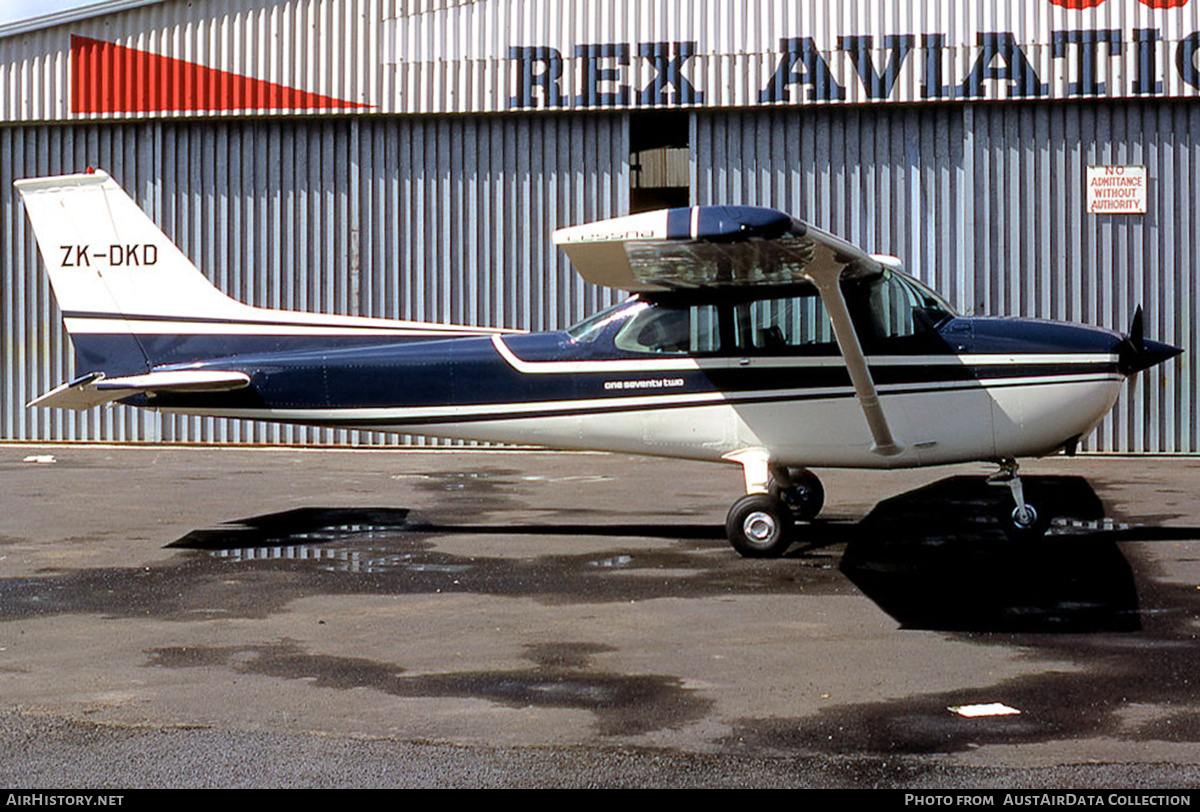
{"points": [[1136, 353]]}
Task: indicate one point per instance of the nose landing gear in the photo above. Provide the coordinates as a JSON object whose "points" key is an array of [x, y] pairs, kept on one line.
{"points": [[1025, 522]]}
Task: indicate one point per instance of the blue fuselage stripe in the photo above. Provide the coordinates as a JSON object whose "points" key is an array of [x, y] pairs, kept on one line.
{"points": [[469, 372], [552, 373]]}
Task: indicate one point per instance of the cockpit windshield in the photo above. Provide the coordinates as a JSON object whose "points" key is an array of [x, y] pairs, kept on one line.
{"points": [[590, 328]]}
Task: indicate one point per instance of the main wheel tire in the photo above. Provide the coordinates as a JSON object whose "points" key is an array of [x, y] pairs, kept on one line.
{"points": [[806, 497], [1032, 528], [759, 526]]}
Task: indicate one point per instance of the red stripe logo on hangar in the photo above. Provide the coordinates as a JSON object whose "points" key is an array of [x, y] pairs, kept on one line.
{"points": [[111, 78]]}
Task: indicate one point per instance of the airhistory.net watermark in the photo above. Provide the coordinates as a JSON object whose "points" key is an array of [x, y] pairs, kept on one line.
{"points": [[53, 799]]}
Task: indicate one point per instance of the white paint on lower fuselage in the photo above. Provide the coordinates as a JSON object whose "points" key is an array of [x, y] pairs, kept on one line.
{"points": [[1006, 418]]}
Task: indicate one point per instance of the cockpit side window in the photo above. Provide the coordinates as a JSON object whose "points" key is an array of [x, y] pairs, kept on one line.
{"points": [[893, 313]]}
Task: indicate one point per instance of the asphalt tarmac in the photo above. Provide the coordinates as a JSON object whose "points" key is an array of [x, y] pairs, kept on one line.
{"points": [[180, 617]]}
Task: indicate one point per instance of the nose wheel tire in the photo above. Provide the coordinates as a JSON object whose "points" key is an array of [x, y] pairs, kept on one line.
{"points": [[760, 526], [1030, 527]]}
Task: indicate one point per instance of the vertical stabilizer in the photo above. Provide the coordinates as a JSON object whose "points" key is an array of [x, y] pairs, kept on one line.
{"points": [[132, 302], [109, 263]]}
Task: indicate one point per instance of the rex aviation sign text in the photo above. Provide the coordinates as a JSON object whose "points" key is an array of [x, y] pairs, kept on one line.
{"points": [[1077, 63], [744, 53]]}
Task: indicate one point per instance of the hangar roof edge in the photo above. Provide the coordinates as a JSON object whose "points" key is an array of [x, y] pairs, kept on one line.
{"points": [[72, 15]]}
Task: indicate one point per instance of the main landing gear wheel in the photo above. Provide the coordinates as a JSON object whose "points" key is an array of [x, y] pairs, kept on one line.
{"points": [[760, 526], [805, 496]]}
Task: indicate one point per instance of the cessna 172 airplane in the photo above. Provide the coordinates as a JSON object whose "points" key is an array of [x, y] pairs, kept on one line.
{"points": [[751, 338]]}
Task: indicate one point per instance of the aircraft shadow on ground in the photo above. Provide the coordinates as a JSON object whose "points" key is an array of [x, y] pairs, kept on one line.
{"points": [[310, 525], [317, 525], [937, 558], [933, 558]]}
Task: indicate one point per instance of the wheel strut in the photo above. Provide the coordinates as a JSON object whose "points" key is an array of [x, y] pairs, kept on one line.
{"points": [[1008, 475], [1023, 523]]}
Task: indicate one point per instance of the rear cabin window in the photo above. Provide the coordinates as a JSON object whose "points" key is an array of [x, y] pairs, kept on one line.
{"points": [[672, 330], [784, 325]]}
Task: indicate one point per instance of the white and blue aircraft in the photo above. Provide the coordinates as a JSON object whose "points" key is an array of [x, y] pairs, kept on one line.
{"points": [[751, 338]]}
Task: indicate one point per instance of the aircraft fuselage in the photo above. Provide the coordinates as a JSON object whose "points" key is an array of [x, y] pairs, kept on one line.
{"points": [[969, 389]]}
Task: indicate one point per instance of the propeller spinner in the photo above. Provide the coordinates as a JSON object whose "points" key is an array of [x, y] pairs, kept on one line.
{"points": [[1136, 352]]}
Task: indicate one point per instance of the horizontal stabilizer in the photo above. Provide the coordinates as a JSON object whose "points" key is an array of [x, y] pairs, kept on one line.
{"points": [[94, 389]]}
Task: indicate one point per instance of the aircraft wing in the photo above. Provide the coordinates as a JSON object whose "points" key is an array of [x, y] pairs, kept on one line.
{"points": [[708, 246], [734, 246], [94, 389]]}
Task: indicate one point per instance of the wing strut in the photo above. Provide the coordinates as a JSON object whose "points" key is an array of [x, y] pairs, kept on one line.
{"points": [[856, 363]]}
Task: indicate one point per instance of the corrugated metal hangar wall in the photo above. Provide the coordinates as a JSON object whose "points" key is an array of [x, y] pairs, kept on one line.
{"points": [[436, 219], [432, 212]]}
